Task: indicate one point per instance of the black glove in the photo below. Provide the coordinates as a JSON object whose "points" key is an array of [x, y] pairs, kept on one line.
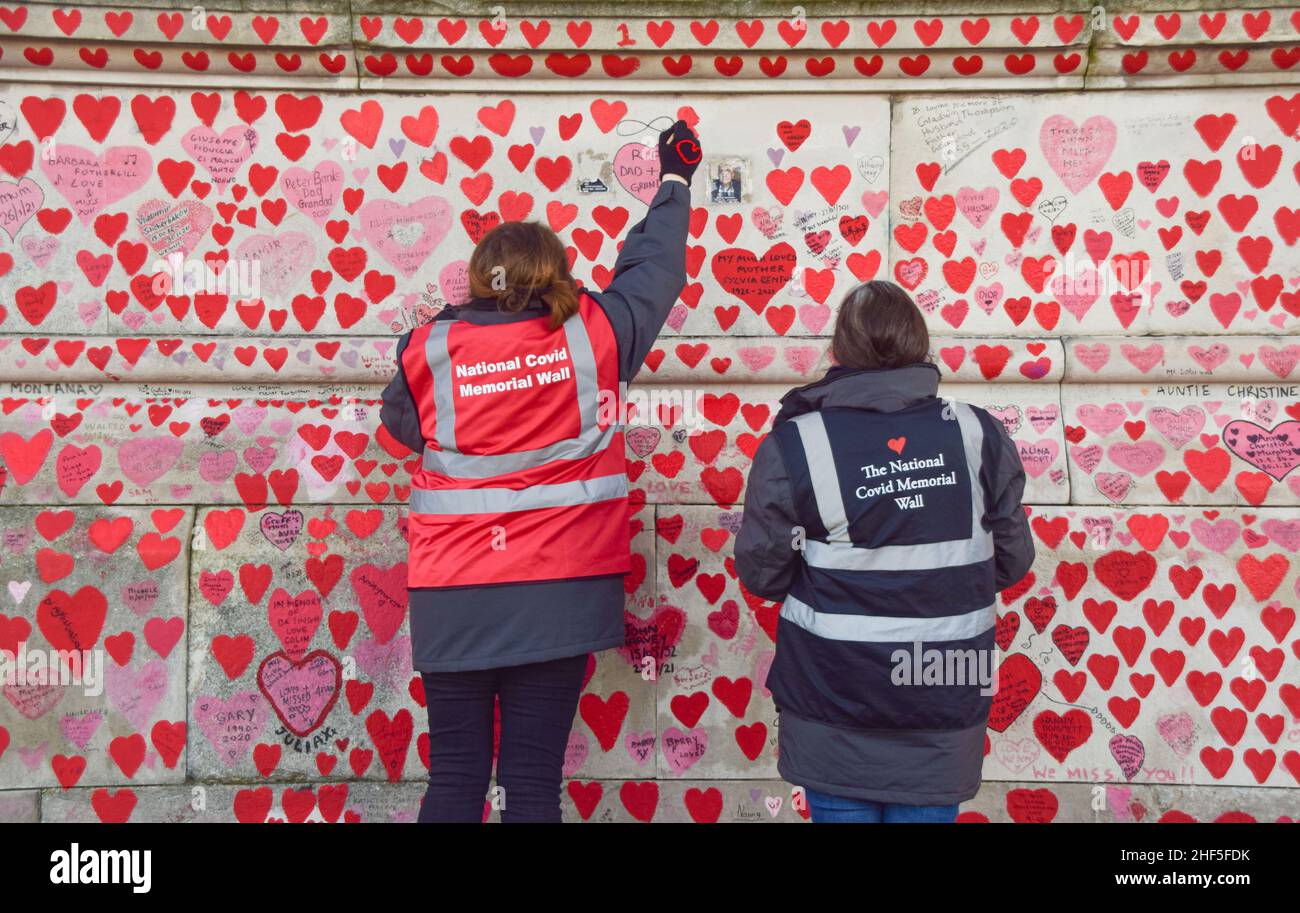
{"points": [[679, 151]]}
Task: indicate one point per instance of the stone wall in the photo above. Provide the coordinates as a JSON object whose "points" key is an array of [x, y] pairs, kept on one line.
{"points": [[1097, 214]]}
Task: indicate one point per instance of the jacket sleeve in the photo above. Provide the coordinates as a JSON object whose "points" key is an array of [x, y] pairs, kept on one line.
{"points": [[766, 558], [1013, 541], [649, 274], [398, 413]]}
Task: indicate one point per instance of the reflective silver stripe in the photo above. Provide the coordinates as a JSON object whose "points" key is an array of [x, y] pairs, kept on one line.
{"points": [[509, 500], [887, 629], [591, 438], [584, 368], [825, 477], [929, 556], [483, 466], [972, 437], [976, 547], [439, 359]]}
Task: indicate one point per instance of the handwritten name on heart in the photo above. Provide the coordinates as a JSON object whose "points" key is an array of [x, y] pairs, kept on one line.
{"points": [[90, 181], [405, 233]]}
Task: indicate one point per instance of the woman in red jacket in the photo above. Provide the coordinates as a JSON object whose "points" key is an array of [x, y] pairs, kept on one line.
{"points": [[506, 399]]}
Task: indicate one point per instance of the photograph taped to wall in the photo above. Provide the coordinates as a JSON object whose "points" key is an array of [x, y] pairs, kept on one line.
{"points": [[729, 179]]}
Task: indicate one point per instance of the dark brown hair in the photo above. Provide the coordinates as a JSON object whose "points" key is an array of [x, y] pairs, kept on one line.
{"points": [[879, 327], [517, 261]]}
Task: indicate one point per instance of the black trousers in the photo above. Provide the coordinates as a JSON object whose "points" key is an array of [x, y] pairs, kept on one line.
{"points": [[538, 702]]}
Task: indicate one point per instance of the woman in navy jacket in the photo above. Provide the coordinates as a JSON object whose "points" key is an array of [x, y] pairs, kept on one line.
{"points": [[885, 519]]}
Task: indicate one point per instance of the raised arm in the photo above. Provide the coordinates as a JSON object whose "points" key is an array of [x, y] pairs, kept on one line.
{"points": [[650, 271]]}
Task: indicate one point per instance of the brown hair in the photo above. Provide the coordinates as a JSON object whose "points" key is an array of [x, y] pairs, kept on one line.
{"points": [[517, 261], [879, 327]]}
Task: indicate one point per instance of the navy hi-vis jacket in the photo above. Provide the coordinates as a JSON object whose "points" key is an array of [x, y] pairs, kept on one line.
{"points": [[907, 507]]}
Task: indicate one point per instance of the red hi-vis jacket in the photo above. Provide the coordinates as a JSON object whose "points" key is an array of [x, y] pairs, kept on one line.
{"points": [[520, 479]]}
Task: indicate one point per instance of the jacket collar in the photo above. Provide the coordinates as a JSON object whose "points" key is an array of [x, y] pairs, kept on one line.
{"points": [[878, 391], [485, 310]]}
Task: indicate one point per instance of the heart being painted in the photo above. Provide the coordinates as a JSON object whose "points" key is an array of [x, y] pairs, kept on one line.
{"points": [[636, 168]]}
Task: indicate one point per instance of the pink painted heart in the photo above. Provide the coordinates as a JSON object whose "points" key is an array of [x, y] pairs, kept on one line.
{"points": [[1144, 359], [173, 227], [875, 201], [1077, 152], [814, 317], [136, 693], [90, 181], [313, 193], [640, 746], [756, 358], [636, 168], [453, 281], [1043, 417], [1077, 293], [18, 203], [576, 752], [1101, 420], [1129, 752], [301, 693], [140, 596], [1177, 426], [216, 466], [767, 221], [33, 701], [1179, 733], [1009, 416], [40, 250], [222, 155], [1087, 457], [1093, 357], [683, 750], [388, 665], [1281, 362], [281, 530], [232, 725], [283, 260], [1209, 357], [1114, 485], [79, 730], [642, 439], [1218, 536], [1138, 458], [405, 234], [1275, 451], [1037, 456], [977, 205], [802, 358], [1285, 533], [144, 460]]}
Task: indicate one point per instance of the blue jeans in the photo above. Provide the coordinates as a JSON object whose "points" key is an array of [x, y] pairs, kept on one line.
{"points": [[827, 809]]}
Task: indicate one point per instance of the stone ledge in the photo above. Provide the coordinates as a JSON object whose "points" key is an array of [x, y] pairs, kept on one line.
{"points": [[403, 50]]}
